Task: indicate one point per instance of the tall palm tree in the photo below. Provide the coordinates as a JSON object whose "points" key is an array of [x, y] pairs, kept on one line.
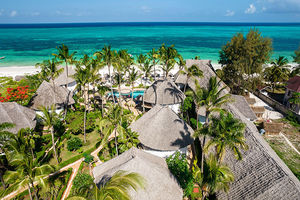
{"points": [[50, 67], [94, 75], [191, 72], [5, 134], [146, 68], [108, 57], [295, 99], [64, 54], [216, 177], [49, 118], [181, 62], [121, 62], [28, 172], [102, 89], [226, 132], [154, 56], [212, 99], [117, 187], [167, 57], [133, 76]]}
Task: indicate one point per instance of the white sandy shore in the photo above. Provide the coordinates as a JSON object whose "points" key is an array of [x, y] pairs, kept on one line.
{"points": [[14, 71]]}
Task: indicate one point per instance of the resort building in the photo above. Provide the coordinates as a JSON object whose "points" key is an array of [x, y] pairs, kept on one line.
{"points": [[19, 115], [242, 105], [164, 92], [62, 79], [48, 94], [160, 183], [162, 132], [293, 85]]}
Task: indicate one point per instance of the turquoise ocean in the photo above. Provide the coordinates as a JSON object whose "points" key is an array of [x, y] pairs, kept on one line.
{"points": [[28, 44]]}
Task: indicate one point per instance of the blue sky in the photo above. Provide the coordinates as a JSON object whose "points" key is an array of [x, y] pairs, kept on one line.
{"points": [[38, 11]]}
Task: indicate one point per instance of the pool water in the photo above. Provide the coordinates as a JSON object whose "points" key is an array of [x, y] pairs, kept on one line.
{"points": [[135, 93]]}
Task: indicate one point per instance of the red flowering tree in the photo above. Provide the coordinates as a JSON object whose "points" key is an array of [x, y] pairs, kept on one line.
{"points": [[20, 94]]}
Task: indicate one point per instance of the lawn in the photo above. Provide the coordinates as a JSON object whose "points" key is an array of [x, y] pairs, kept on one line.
{"points": [[286, 153], [92, 139]]}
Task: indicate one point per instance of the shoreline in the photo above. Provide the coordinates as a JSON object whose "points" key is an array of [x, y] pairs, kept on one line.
{"points": [[14, 71]]}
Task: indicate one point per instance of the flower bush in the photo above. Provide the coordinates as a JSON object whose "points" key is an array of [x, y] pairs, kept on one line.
{"points": [[19, 94]]}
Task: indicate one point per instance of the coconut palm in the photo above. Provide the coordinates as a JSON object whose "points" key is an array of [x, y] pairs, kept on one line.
{"points": [[102, 89], [66, 56], [94, 75], [212, 99], [48, 118], [28, 173], [295, 99], [227, 133], [181, 62], [5, 134], [216, 177], [50, 67], [146, 69], [191, 72], [167, 57], [120, 64], [141, 59], [108, 57], [117, 187], [154, 57], [133, 76], [3, 168]]}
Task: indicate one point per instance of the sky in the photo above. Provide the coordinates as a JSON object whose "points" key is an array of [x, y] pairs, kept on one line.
{"points": [[64, 11]]}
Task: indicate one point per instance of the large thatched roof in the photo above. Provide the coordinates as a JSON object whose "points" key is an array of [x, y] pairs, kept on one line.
{"points": [[160, 183], [19, 115], [61, 79], [47, 95], [163, 92], [162, 129], [261, 174], [241, 103]]}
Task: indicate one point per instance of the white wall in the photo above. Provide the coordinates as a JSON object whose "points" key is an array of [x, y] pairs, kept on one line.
{"points": [[165, 154]]}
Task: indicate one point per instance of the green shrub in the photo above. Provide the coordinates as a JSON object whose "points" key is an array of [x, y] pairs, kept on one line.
{"points": [[74, 144], [82, 181], [178, 166], [88, 158]]}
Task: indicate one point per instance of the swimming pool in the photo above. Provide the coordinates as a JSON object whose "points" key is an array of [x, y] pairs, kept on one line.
{"points": [[135, 93]]}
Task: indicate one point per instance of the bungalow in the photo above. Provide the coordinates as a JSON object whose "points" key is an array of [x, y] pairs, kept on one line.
{"points": [[160, 183], [162, 132], [293, 85], [164, 92], [19, 115], [62, 79]]}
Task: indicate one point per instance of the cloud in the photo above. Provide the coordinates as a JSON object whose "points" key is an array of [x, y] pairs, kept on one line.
{"points": [[35, 14], [229, 13], [58, 12], [13, 13], [146, 9], [251, 9], [280, 6]]}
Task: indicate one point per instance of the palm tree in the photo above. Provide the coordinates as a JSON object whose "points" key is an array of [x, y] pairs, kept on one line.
{"points": [[102, 89], [3, 168], [50, 67], [191, 72], [29, 138], [167, 57], [226, 132], [181, 62], [5, 135], [64, 54], [216, 177], [94, 76], [49, 118], [28, 172], [117, 187], [146, 68], [133, 76], [212, 99], [295, 99], [108, 56], [154, 56]]}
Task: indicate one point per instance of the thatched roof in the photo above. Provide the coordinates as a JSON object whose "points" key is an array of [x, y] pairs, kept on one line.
{"points": [[163, 92], [250, 101], [205, 66], [258, 109], [47, 95], [61, 79], [162, 129], [160, 183], [243, 106], [272, 127], [19, 115], [261, 174]]}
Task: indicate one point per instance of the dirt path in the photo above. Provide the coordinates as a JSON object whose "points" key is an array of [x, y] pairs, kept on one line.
{"points": [[289, 143], [75, 165]]}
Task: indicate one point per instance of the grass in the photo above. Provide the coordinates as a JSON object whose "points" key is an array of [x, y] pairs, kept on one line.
{"points": [[65, 155], [286, 153]]}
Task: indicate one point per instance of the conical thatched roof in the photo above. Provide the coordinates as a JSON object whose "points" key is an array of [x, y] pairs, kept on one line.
{"points": [[163, 92], [160, 183], [162, 129], [61, 79], [19, 115], [47, 95], [242, 105]]}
